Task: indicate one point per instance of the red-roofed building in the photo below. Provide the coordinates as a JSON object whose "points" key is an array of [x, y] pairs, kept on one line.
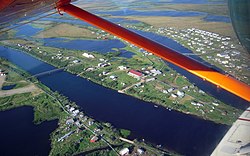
{"points": [[135, 74], [94, 139]]}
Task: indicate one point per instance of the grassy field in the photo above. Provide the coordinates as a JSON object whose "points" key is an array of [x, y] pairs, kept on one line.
{"points": [[66, 30], [218, 9]]}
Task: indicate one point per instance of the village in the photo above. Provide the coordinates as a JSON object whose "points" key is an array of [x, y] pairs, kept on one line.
{"points": [[144, 76], [77, 129], [218, 50]]}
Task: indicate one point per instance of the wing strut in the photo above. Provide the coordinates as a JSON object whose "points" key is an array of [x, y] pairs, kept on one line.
{"points": [[206, 73]]}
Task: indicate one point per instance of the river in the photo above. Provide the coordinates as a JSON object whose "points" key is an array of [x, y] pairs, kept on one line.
{"points": [[183, 133]]}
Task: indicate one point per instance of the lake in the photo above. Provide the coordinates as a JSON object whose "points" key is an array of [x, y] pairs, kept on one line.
{"points": [[170, 13], [101, 46], [20, 136]]}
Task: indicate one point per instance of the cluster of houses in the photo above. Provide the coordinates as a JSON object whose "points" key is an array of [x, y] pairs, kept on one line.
{"points": [[226, 59], [138, 75], [197, 104], [101, 34], [215, 47], [25, 47], [179, 94], [81, 121]]}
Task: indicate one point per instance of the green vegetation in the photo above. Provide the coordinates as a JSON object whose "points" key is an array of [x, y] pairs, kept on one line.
{"points": [[45, 108], [154, 91], [74, 133], [124, 133]]}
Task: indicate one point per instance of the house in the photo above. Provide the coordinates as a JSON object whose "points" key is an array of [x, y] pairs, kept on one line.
{"points": [[76, 61], [140, 151], [151, 79], [122, 68], [165, 91], [124, 151], [89, 69], [75, 112], [91, 122], [155, 72], [94, 139], [170, 90], [78, 123], [180, 94], [197, 104], [113, 77], [88, 55], [69, 121], [71, 109], [174, 95], [103, 64], [215, 104], [135, 74]]}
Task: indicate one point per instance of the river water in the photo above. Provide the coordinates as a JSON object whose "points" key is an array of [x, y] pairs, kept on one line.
{"points": [[183, 133]]}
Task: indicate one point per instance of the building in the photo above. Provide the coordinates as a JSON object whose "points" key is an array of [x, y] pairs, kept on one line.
{"points": [[103, 64], [69, 121], [197, 104], [113, 77], [140, 151], [170, 90], [76, 61], [94, 139], [155, 72], [124, 151], [180, 94], [122, 68], [91, 122], [174, 95], [135, 74], [164, 91], [88, 55]]}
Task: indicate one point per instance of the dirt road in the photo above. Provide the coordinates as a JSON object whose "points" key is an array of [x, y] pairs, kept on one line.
{"points": [[26, 89]]}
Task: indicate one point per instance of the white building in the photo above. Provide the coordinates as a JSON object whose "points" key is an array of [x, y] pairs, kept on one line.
{"points": [[122, 67], [174, 95], [180, 94], [88, 55], [76, 61], [124, 151]]}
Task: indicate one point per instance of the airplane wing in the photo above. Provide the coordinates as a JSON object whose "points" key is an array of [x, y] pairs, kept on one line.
{"points": [[237, 139], [14, 11]]}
